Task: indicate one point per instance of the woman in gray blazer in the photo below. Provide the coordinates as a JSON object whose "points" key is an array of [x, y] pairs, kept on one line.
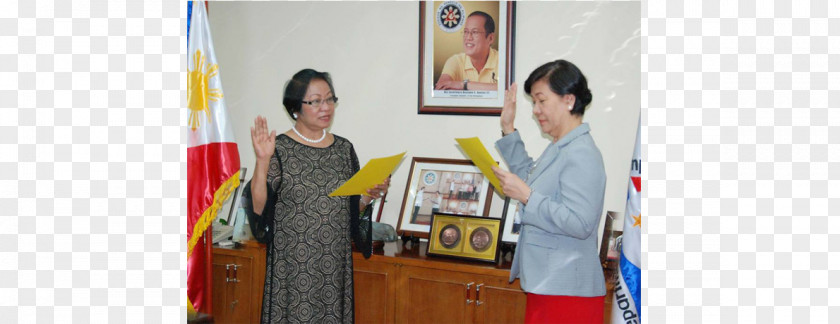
{"points": [[562, 196]]}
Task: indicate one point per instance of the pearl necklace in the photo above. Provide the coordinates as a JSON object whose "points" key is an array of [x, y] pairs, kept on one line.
{"points": [[324, 135]]}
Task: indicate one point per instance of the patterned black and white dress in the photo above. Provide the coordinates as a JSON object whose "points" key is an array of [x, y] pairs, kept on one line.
{"points": [[309, 264]]}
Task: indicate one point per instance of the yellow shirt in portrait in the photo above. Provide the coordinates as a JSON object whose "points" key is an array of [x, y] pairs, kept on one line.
{"points": [[460, 67]]}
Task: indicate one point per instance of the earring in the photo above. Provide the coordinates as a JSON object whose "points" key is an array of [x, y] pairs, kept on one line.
{"points": [[294, 115], [570, 107]]}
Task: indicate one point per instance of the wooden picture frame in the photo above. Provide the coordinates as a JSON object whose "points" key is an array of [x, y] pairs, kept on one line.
{"points": [[464, 237], [455, 186], [378, 204], [442, 38]]}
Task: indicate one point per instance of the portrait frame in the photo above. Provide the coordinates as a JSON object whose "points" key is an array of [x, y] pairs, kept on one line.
{"points": [[432, 58], [510, 228], [451, 183], [464, 237]]}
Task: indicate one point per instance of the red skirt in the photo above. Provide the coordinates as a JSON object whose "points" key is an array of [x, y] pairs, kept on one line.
{"points": [[564, 309]]}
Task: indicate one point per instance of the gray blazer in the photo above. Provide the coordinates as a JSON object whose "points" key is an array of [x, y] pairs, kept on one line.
{"points": [[557, 249]]}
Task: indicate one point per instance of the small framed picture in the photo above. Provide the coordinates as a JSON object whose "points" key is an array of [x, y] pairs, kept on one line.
{"points": [[442, 186], [464, 237], [512, 221]]}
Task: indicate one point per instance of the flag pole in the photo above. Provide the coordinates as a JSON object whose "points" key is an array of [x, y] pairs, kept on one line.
{"points": [[208, 245]]}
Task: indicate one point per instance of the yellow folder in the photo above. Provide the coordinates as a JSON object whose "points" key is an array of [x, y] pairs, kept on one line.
{"points": [[372, 174], [481, 158]]}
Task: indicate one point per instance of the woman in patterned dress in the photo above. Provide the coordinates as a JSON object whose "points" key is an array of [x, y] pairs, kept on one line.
{"points": [[309, 264]]}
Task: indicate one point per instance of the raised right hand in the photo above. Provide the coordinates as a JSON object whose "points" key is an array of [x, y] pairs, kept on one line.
{"points": [[509, 110], [262, 140]]}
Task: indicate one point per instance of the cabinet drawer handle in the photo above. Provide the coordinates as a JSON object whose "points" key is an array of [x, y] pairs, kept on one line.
{"points": [[227, 272], [469, 301], [235, 273], [478, 302]]}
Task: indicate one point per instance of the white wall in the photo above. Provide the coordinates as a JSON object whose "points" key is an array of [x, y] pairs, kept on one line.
{"points": [[371, 51]]}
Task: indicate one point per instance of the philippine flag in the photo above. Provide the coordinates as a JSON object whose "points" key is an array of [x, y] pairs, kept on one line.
{"points": [[212, 154], [627, 296]]}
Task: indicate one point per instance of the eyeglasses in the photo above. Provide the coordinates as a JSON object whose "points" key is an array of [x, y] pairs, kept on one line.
{"points": [[472, 33], [317, 102]]}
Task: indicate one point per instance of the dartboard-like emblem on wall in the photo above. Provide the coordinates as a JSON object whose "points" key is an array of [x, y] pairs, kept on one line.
{"points": [[450, 16], [430, 178]]}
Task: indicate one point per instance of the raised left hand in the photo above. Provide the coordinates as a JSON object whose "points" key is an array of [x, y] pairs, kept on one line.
{"points": [[512, 185]]}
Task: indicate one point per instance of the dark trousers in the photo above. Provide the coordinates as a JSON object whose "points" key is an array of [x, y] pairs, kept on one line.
{"points": [[414, 215]]}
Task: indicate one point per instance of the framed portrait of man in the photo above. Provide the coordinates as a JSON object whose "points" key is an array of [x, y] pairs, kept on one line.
{"points": [[466, 51]]}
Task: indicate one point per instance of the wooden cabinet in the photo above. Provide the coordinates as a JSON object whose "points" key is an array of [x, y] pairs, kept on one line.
{"points": [[373, 285], [238, 277], [402, 285], [434, 296], [495, 302], [396, 285]]}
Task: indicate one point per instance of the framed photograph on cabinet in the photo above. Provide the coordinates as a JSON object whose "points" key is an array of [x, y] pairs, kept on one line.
{"points": [[464, 237], [512, 221], [442, 186], [466, 51]]}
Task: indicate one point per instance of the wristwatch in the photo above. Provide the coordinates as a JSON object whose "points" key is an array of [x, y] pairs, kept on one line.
{"points": [[465, 83]]}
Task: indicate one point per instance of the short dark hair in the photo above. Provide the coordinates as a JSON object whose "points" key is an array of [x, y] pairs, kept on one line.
{"points": [[563, 78], [489, 23], [297, 86]]}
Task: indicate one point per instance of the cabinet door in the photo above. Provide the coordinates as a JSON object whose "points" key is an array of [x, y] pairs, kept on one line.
{"points": [[434, 296], [499, 302], [221, 287], [241, 296], [374, 286], [237, 295]]}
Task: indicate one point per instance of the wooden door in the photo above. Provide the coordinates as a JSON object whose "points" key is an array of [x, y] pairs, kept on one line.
{"points": [[434, 296], [499, 302], [241, 294], [374, 286], [237, 293], [221, 287]]}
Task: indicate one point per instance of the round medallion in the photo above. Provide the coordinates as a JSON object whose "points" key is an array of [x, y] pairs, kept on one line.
{"points": [[481, 239], [450, 236]]}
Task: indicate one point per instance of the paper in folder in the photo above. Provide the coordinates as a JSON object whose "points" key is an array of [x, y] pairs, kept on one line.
{"points": [[373, 173], [481, 158]]}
